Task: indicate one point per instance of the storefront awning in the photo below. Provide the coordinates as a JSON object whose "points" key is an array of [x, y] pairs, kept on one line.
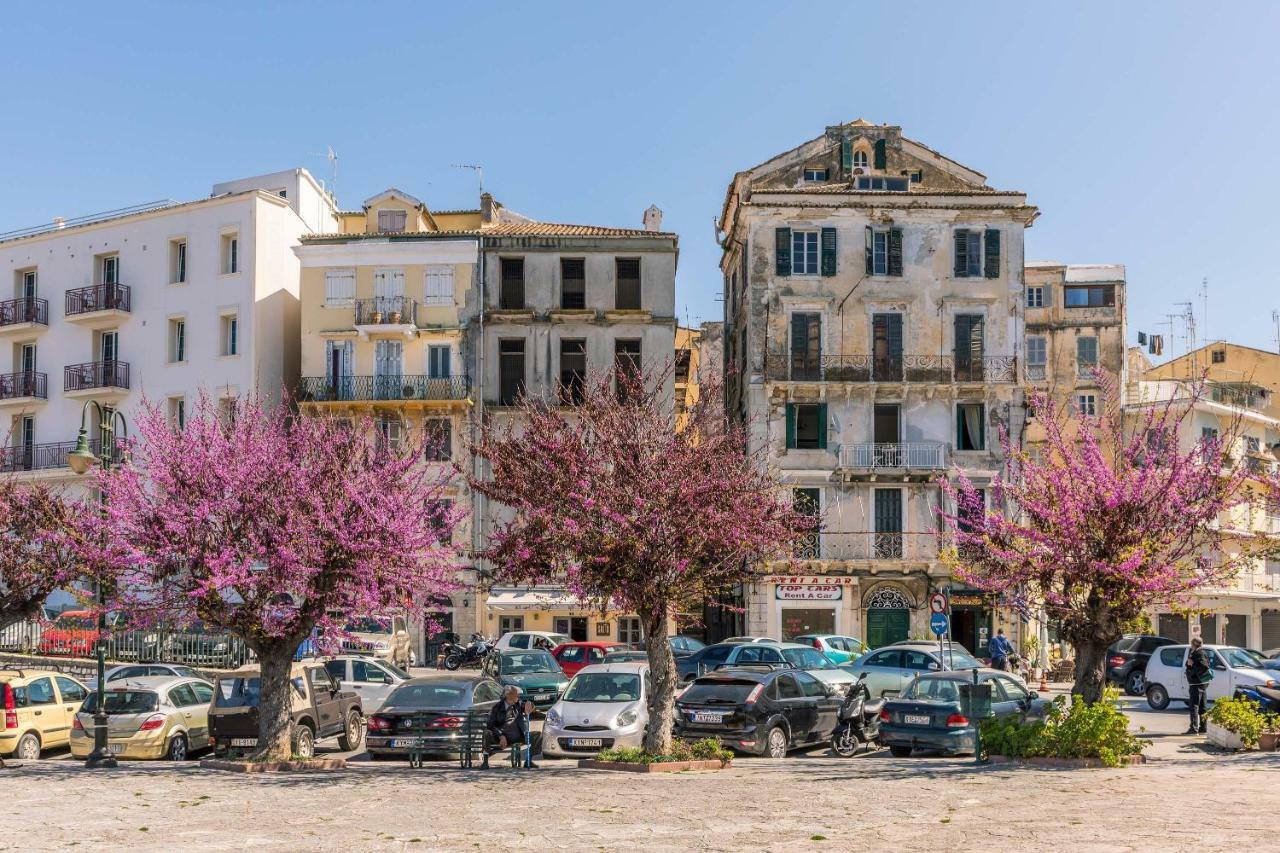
{"points": [[549, 598]]}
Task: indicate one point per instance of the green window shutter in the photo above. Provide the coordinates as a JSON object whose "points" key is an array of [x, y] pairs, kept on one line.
{"points": [[828, 251], [782, 251], [895, 251], [880, 159], [846, 154], [822, 426], [791, 425], [992, 254], [870, 262], [961, 266]]}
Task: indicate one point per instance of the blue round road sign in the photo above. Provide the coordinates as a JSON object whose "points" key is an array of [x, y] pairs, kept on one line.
{"points": [[938, 623]]}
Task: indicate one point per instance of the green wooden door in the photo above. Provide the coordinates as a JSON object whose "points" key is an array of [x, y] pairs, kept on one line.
{"points": [[887, 625]]}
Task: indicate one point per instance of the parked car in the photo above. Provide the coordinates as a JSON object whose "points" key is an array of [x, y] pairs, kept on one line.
{"points": [[371, 680], [750, 640], [202, 645], [38, 707], [574, 656], [765, 713], [839, 648], [605, 706], [1232, 667], [683, 646], [438, 705], [535, 672], [159, 716], [531, 640], [383, 637], [625, 656], [73, 632], [1127, 660], [814, 662], [928, 713], [891, 668], [320, 708], [706, 659], [144, 670]]}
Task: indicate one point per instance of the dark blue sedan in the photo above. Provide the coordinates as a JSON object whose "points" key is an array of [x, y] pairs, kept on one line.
{"points": [[928, 714]]}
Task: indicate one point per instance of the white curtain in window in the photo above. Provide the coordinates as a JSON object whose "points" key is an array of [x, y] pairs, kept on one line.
{"points": [[973, 423]]}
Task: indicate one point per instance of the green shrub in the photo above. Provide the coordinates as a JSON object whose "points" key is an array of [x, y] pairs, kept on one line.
{"points": [[1243, 717], [1069, 730], [708, 749]]}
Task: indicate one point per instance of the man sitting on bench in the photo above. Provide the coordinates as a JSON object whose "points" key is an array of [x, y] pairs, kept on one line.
{"points": [[507, 726]]}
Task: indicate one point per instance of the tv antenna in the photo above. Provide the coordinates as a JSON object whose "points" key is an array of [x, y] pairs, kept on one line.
{"points": [[479, 170], [332, 157], [1275, 318]]}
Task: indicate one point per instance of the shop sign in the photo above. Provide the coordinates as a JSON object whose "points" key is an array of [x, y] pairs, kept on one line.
{"points": [[968, 599], [807, 592], [832, 580]]}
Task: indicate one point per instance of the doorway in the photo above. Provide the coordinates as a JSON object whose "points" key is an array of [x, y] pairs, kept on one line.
{"points": [[971, 628], [574, 626], [797, 621]]}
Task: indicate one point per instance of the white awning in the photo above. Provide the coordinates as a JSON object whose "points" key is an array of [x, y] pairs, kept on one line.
{"points": [[549, 598]]}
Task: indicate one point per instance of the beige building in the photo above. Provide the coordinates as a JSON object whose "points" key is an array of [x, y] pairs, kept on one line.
{"points": [[699, 356]]}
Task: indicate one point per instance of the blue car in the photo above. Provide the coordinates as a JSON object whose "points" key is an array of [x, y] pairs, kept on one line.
{"points": [[928, 714]]}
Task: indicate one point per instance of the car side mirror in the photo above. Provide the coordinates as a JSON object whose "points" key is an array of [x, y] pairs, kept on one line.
{"points": [[933, 667], [1032, 696]]}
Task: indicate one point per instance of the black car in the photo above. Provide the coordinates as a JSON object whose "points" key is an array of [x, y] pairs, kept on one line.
{"points": [[765, 713], [1127, 660], [429, 715], [704, 660]]}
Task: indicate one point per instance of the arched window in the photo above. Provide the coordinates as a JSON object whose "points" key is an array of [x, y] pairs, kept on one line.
{"points": [[888, 597], [859, 159]]}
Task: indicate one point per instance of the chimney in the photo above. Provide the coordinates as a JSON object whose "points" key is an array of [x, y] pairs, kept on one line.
{"points": [[486, 208], [653, 218], [59, 223]]}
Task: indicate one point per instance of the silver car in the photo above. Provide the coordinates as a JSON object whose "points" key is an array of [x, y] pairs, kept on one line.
{"points": [[604, 706], [371, 680], [889, 669]]}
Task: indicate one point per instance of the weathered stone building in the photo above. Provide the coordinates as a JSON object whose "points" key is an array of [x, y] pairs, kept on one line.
{"points": [[873, 320]]}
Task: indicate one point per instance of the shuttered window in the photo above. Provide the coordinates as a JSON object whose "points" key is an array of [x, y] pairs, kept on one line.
{"points": [[884, 252], [881, 160], [510, 371], [991, 249], [573, 283], [807, 426], [339, 288], [804, 252], [829, 251], [782, 251], [806, 345], [437, 289], [1086, 352], [439, 439], [628, 296], [511, 297], [1036, 353], [392, 220], [968, 254]]}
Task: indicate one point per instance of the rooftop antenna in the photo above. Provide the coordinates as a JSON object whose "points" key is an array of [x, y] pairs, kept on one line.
{"points": [[479, 170], [332, 157], [1204, 313], [1275, 318]]}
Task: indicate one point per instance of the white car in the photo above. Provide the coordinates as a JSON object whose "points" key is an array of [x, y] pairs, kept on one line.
{"points": [[750, 640], [1232, 667], [145, 670], [605, 706], [528, 640], [371, 680]]}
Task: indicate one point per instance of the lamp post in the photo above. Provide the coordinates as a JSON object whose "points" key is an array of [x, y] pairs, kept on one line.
{"points": [[82, 460]]}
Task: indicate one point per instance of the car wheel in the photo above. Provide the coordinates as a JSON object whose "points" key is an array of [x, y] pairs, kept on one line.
{"points": [[899, 751], [1135, 684], [775, 743], [304, 742], [353, 735], [177, 750], [28, 747], [1157, 697]]}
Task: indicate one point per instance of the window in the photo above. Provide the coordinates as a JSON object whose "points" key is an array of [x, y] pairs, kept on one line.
{"points": [[1218, 356], [182, 696], [438, 361], [573, 654], [177, 261], [573, 371], [230, 254], [511, 297], [917, 176], [1037, 353], [439, 439], [389, 432], [897, 185], [629, 631], [968, 254], [970, 426], [884, 251], [1087, 405], [438, 287], [860, 160], [628, 297], [510, 371], [230, 334], [1171, 656], [811, 175], [507, 624], [40, 692], [177, 341], [1086, 354], [178, 412], [27, 287], [573, 283], [1092, 296], [892, 659], [109, 269], [626, 360], [392, 220], [918, 661], [804, 252], [807, 426], [339, 288], [806, 345], [1035, 297], [807, 502], [71, 692]]}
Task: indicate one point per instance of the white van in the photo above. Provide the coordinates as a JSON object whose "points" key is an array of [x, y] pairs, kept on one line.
{"points": [[1232, 667]]}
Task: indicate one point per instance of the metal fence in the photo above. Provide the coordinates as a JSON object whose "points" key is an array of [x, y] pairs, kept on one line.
{"points": [[160, 645]]}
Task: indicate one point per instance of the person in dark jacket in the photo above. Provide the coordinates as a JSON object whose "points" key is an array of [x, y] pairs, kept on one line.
{"points": [[1000, 649], [1199, 674], [507, 725]]}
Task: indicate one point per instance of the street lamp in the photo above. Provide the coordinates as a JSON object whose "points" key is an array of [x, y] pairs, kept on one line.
{"points": [[82, 460]]}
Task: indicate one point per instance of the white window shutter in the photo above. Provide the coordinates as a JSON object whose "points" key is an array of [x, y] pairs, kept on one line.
{"points": [[339, 287]]}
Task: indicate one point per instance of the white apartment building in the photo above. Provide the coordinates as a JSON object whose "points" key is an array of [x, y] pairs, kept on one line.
{"points": [[159, 302]]}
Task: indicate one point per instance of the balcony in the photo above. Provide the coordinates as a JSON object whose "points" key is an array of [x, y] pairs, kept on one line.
{"points": [[23, 388], [99, 305], [868, 545], [386, 315], [896, 457], [100, 379], [43, 457], [1036, 372], [926, 369], [1085, 370], [20, 315], [371, 389]]}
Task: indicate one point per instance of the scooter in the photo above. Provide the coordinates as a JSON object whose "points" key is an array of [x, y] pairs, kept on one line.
{"points": [[1268, 698], [858, 720], [474, 653]]}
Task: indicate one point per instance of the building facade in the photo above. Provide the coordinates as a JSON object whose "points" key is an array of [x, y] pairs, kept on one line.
{"points": [[873, 321]]}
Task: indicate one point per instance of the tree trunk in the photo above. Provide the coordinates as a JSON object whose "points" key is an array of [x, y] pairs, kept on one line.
{"points": [[662, 674], [275, 720], [1091, 661]]}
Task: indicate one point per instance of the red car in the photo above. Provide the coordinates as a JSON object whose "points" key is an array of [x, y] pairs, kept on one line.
{"points": [[574, 656], [73, 632]]}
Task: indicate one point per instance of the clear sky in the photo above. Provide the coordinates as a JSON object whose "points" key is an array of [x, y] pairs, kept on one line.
{"points": [[1145, 132]]}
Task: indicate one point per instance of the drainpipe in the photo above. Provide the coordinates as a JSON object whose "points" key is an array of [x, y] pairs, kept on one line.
{"points": [[477, 500]]}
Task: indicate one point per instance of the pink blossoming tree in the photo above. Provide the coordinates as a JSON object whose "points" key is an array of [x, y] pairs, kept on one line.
{"points": [[271, 525], [608, 499], [37, 531], [1110, 519]]}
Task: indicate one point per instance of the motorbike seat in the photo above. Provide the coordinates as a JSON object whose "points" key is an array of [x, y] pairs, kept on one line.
{"points": [[872, 708]]}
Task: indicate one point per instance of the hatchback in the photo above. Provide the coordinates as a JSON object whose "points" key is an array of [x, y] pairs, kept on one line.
{"points": [[39, 706], [765, 713], [574, 656], [839, 648], [535, 673], [152, 717], [891, 668], [1127, 660], [1232, 667], [929, 715], [605, 706]]}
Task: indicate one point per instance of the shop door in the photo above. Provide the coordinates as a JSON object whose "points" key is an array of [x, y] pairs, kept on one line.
{"points": [[578, 629], [807, 620], [1237, 630], [886, 625], [971, 628]]}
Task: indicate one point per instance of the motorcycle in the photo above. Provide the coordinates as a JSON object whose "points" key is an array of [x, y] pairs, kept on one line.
{"points": [[858, 720], [475, 652], [1268, 698]]}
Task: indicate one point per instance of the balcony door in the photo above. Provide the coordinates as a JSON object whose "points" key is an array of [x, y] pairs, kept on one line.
{"points": [[109, 347], [886, 433], [387, 369], [27, 358], [888, 521], [969, 330], [806, 345], [338, 368], [388, 291], [886, 347]]}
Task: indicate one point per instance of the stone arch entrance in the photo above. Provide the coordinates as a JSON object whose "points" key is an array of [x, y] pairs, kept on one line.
{"points": [[888, 615]]}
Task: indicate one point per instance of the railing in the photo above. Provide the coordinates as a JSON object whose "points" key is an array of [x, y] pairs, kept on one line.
{"points": [[918, 455], [1085, 371], [42, 457], [95, 374], [97, 297], [1243, 398], [193, 647], [868, 545], [24, 310], [386, 310], [1036, 372], [931, 369], [322, 389], [1259, 466], [28, 383]]}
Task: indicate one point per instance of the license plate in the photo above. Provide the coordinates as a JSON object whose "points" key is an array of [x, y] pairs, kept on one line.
{"points": [[404, 742], [915, 719], [117, 748], [708, 717], [244, 741], [541, 697], [586, 741]]}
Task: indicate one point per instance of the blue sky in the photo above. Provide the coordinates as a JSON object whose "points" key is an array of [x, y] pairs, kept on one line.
{"points": [[1144, 131]]}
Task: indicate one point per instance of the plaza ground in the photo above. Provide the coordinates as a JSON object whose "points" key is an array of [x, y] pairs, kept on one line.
{"points": [[1189, 796]]}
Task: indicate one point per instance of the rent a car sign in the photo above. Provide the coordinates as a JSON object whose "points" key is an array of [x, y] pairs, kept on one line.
{"points": [[807, 592]]}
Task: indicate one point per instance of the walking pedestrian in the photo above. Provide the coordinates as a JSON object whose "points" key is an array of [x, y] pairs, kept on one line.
{"points": [[508, 726], [1001, 649], [1199, 674]]}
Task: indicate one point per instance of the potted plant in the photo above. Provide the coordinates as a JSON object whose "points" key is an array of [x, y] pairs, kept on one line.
{"points": [[394, 318], [1235, 724]]}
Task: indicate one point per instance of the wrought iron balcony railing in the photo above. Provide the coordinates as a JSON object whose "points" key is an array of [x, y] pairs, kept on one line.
{"points": [[41, 457], [95, 374], [24, 310], [323, 389], [909, 455], [98, 297], [868, 545], [28, 383], [930, 369], [1036, 372], [386, 310]]}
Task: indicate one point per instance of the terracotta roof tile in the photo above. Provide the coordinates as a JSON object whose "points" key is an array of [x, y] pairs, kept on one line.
{"points": [[506, 229]]}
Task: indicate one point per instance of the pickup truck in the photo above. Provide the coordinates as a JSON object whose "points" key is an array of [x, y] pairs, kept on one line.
{"points": [[321, 709]]}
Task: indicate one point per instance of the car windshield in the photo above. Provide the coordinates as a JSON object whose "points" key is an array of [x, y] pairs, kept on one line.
{"points": [[807, 659], [718, 692], [124, 702], [604, 687], [520, 663], [243, 691], [396, 670], [369, 625], [956, 658], [944, 689], [82, 621], [1127, 644], [430, 696], [1238, 657]]}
